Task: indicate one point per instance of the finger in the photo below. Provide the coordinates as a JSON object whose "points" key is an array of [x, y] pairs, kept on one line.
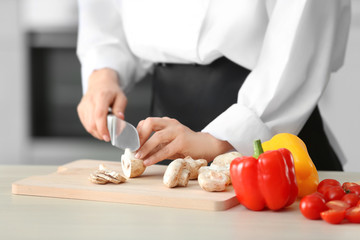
{"points": [[138, 127], [90, 124], [150, 125], [100, 115], [95, 134], [159, 138], [81, 114], [86, 119], [164, 153], [118, 108]]}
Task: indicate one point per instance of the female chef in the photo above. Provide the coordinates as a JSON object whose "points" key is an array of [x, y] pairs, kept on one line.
{"points": [[224, 72]]}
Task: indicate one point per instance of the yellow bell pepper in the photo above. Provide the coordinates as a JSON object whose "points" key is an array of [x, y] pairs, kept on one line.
{"points": [[306, 174]]}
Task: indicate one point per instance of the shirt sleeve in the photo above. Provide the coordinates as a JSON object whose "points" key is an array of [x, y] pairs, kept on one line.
{"points": [[102, 42], [305, 41]]}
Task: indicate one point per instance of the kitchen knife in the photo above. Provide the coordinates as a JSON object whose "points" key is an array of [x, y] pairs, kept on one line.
{"points": [[122, 134]]}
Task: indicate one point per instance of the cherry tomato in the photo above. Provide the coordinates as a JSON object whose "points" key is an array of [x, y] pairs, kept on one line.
{"points": [[358, 204], [312, 205], [333, 216], [318, 194], [337, 205], [346, 185], [334, 193], [326, 183], [351, 198], [355, 189], [353, 214]]}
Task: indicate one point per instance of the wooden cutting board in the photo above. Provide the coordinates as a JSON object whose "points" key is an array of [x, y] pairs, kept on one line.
{"points": [[71, 181]]}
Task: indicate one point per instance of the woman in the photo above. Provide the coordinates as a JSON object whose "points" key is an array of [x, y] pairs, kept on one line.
{"points": [[224, 72]]}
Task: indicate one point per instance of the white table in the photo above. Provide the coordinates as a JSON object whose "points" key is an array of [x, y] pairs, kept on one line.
{"points": [[27, 217]]}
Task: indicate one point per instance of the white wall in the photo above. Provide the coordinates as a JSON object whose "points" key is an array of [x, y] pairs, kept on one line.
{"points": [[340, 104], [12, 88]]}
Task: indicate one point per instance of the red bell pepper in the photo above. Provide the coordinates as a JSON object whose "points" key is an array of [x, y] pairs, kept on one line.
{"points": [[265, 179]]}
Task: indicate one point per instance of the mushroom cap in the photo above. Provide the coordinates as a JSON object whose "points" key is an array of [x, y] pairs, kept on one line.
{"points": [[216, 168], [212, 181], [225, 159]]}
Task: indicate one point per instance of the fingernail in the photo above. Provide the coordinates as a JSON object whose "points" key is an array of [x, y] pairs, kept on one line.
{"points": [[146, 163], [106, 138], [120, 115], [138, 155]]}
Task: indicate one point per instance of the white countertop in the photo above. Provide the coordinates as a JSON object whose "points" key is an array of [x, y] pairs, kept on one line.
{"points": [[28, 217]]}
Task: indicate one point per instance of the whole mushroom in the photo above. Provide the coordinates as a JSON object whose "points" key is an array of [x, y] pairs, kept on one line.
{"points": [[216, 177], [176, 174], [224, 160], [218, 169], [212, 181], [193, 166]]}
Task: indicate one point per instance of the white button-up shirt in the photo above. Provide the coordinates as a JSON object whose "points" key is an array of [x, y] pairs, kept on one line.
{"points": [[290, 46]]}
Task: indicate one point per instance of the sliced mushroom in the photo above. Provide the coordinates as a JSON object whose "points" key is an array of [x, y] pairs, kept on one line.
{"points": [[131, 166], [104, 175]]}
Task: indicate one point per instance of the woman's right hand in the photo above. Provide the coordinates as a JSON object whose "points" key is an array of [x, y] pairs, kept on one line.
{"points": [[103, 92]]}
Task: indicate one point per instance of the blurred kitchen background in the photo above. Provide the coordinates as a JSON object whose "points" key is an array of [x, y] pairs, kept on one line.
{"points": [[40, 88]]}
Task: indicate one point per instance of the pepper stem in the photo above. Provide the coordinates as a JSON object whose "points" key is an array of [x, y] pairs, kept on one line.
{"points": [[257, 148]]}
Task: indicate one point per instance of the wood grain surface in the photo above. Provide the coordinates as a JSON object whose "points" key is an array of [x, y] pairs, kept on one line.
{"points": [[71, 181]]}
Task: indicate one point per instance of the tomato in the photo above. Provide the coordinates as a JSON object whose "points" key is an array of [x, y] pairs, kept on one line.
{"points": [[333, 202], [353, 214], [334, 193], [312, 205], [346, 185], [355, 189], [337, 205], [326, 183], [319, 194], [351, 198], [333, 216]]}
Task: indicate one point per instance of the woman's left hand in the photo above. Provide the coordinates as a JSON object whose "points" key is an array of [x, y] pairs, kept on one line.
{"points": [[166, 138]]}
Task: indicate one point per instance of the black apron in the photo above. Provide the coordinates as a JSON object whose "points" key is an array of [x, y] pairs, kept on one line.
{"points": [[196, 94]]}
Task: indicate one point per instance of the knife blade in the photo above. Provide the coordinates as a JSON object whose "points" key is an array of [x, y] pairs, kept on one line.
{"points": [[122, 134]]}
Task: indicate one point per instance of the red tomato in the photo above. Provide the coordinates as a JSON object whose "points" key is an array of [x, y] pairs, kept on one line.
{"points": [[355, 189], [346, 185], [351, 198], [337, 205], [353, 214], [319, 194], [333, 216], [324, 184], [312, 205], [358, 204], [334, 193]]}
